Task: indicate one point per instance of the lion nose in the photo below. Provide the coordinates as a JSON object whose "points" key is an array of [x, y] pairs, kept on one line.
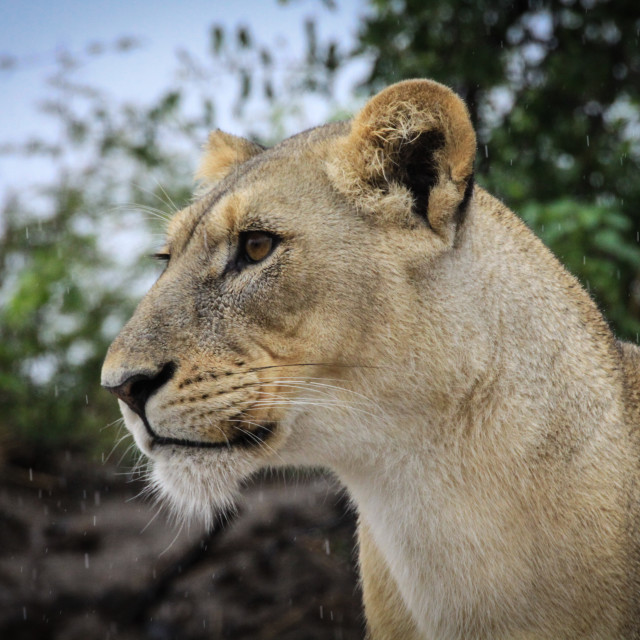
{"points": [[137, 388]]}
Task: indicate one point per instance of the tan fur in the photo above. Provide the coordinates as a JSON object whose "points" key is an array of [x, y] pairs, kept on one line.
{"points": [[386, 611], [411, 334], [223, 152]]}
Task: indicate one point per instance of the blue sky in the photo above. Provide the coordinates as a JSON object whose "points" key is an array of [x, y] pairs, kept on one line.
{"points": [[34, 30]]}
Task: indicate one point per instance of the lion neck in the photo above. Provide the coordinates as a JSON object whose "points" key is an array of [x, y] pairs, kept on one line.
{"points": [[465, 430]]}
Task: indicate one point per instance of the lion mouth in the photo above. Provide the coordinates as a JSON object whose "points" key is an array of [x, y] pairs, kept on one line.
{"points": [[246, 438]]}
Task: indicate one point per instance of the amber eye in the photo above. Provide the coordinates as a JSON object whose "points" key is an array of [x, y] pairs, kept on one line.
{"points": [[257, 245]]}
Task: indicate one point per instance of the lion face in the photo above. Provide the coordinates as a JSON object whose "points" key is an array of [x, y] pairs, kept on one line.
{"points": [[285, 284]]}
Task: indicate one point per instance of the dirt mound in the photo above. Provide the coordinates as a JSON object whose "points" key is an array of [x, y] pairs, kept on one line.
{"points": [[81, 557]]}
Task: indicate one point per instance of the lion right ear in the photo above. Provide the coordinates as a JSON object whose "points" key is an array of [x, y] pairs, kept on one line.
{"points": [[409, 155], [222, 153]]}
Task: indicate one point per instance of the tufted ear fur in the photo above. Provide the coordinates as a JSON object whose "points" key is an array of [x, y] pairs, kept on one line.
{"points": [[222, 153], [410, 153]]}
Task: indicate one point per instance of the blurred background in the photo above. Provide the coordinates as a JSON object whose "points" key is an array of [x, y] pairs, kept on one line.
{"points": [[103, 109]]}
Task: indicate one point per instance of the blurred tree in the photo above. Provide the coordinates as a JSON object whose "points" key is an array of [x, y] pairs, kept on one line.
{"points": [[554, 91], [62, 295]]}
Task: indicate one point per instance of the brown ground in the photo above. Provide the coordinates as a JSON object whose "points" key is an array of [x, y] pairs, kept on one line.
{"points": [[79, 560]]}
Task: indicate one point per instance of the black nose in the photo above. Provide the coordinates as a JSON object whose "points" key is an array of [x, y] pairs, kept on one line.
{"points": [[139, 387]]}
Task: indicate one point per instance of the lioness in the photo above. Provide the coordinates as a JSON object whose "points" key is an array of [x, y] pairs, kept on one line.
{"points": [[349, 299]]}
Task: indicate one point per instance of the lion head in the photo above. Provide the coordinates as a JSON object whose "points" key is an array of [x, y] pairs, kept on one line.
{"points": [[291, 301]]}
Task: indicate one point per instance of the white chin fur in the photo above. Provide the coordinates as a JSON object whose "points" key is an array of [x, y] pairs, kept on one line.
{"points": [[198, 486]]}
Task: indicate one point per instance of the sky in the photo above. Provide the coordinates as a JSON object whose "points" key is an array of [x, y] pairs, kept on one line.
{"points": [[33, 31]]}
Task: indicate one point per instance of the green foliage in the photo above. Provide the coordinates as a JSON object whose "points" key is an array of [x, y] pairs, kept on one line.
{"points": [[63, 295], [51, 319], [598, 245], [553, 89]]}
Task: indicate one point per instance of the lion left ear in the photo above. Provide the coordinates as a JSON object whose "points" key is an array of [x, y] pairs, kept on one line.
{"points": [[222, 153], [410, 152]]}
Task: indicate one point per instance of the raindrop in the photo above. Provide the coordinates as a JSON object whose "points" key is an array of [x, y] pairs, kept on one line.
{"points": [[55, 390], [587, 141], [86, 399], [86, 560], [95, 519], [584, 259], [321, 613], [486, 151], [96, 498], [24, 613], [327, 547], [26, 232], [30, 474]]}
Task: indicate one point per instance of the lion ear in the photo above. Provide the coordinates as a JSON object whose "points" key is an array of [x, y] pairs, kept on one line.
{"points": [[411, 151], [222, 153]]}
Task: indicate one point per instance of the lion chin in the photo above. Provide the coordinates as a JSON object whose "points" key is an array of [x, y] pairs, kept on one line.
{"points": [[197, 486], [197, 489]]}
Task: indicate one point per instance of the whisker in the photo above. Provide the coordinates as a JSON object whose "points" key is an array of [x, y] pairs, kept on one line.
{"points": [[157, 513], [168, 197], [111, 424], [131, 447], [115, 446], [314, 402], [173, 541], [320, 394], [145, 491], [314, 364], [153, 194], [257, 440], [220, 429], [330, 386]]}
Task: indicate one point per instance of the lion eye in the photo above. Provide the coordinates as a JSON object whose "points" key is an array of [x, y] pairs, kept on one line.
{"points": [[257, 245]]}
